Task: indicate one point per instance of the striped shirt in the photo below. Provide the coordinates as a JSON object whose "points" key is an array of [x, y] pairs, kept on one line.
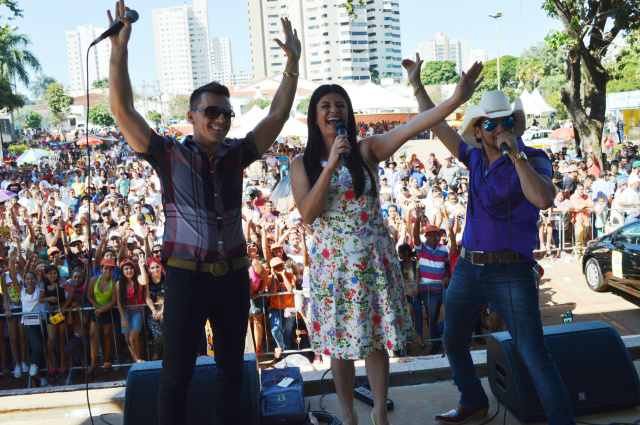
{"points": [[432, 266], [202, 196]]}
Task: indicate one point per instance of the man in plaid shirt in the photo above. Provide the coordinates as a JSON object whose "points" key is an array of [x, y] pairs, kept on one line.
{"points": [[201, 182]]}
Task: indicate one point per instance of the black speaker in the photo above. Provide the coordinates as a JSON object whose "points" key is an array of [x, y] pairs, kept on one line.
{"points": [[143, 382], [595, 366]]}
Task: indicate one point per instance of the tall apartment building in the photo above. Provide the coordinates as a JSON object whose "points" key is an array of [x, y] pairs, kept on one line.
{"points": [[443, 48], [78, 41], [335, 47], [221, 63], [479, 55], [183, 53]]}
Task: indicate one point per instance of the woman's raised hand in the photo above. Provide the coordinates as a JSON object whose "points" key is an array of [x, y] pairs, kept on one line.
{"points": [[413, 69]]}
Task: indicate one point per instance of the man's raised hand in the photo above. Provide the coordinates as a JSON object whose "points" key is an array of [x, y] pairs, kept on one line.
{"points": [[122, 37], [413, 69], [291, 45]]}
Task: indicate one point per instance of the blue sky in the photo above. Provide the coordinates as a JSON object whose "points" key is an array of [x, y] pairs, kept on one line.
{"points": [[523, 24]]}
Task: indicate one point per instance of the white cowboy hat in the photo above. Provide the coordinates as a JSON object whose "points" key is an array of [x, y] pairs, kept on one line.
{"points": [[494, 104]]}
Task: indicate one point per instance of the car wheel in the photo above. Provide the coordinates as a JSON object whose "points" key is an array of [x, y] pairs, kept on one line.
{"points": [[593, 275]]}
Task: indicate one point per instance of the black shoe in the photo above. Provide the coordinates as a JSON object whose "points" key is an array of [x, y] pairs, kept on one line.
{"points": [[461, 415]]}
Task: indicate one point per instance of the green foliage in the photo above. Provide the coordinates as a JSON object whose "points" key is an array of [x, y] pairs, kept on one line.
{"points": [[39, 86], [439, 72], [102, 83], [15, 60], [8, 100], [508, 78], [303, 107], [351, 8], [18, 149], [558, 40], [100, 114], [537, 62], [625, 69], [30, 119], [554, 101], [262, 103], [154, 116], [180, 107], [13, 7], [375, 75], [58, 103]]}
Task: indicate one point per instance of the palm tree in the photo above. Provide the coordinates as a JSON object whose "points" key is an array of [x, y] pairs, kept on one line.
{"points": [[39, 86], [15, 59]]}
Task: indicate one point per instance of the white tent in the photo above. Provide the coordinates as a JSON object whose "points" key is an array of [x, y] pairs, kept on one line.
{"points": [[373, 97], [246, 123], [294, 127], [546, 107]]}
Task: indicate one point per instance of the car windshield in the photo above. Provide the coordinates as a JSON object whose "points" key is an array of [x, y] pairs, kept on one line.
{"points": [[629, 235]]}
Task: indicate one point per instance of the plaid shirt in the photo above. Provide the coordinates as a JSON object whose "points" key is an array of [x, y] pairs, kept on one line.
{"points": [[201, 196]]}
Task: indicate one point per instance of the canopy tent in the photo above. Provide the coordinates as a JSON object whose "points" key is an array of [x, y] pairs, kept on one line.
{"points": [[545, 106], [93, 140], [247, 122], [373, 97], [32, 156]]}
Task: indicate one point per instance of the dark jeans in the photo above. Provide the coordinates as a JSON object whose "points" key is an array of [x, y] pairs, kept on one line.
{"points": [[36, 346], [473, 286], [191, 298], [433, 301]]}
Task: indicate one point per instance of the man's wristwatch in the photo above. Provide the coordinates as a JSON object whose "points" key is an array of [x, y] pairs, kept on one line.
{"points": [[519, 156]]}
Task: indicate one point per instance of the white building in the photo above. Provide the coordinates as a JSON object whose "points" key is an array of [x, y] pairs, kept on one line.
{"points": [[183, 53], [222, 64], [479, 55], [335, 47], [78, 41], [443, 48]]}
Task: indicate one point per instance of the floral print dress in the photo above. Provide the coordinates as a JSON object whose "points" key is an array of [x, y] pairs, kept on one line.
{"points": [[358, 298]]}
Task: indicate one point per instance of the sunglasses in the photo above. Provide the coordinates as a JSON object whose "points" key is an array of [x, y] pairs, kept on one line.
{"points": [[213, 112], [508, 123], [157, 252]]}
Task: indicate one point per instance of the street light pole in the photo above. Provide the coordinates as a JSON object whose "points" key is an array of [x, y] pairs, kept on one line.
{"points": [[496, 17]]}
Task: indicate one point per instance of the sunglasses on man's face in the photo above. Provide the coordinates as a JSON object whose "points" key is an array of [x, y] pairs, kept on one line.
{"points": [[213, 112], [157, 252], [508, 123]]}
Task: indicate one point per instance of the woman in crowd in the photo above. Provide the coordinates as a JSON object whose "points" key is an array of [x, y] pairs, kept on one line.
{"points": [[358, 304], [30, 298], [12, 285], [154, 314], [103, 297], [259, 279], [132, 293], [282, 313], [53, 294]]}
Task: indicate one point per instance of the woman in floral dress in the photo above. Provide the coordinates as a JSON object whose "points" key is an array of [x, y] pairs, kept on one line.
{"points": [[358, 300]]}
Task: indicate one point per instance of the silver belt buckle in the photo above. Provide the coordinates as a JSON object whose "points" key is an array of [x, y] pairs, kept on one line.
{"points": [[476, 252]]}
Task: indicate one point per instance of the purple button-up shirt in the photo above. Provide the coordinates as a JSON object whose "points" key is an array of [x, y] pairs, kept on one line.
{"points": [[487, 226]]}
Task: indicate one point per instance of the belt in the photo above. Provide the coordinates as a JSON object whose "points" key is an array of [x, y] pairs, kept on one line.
{"points": [[481, 258], [219, 268]]}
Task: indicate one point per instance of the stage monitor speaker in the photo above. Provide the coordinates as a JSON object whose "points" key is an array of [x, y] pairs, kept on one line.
{"points": [[143, 382], [594, 364]]}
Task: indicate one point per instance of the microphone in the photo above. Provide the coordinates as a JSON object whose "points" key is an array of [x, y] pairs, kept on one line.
{"points": [[342, 127], [131, 15], [505, 149]]}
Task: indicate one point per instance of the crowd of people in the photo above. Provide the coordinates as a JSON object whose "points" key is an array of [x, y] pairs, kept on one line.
{"points": [[55, 207]]}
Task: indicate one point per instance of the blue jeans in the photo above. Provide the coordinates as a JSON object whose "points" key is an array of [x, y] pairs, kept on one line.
{"points": [[281, 327], [433, 302], [471, 286]]}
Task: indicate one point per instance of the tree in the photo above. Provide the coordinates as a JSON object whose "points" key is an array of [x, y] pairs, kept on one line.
{"points": [[587, 43], [624, 69], [262, 103], [375, 75], [102, 83], [439, 72], [508, 78], [39, 86], [154, 116], [58, 103], [180, 106], [13, 7], [15, 60], [303, 106], [8, 100], [100, 114], [351, 8], [30, 119]]}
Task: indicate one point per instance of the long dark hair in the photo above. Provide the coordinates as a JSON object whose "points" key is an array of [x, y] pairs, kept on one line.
{"points": [[123, 282], [311, 158]]}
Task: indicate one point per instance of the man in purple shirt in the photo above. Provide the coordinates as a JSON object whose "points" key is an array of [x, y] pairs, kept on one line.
{"points": [[207, 267], [496, 264]]}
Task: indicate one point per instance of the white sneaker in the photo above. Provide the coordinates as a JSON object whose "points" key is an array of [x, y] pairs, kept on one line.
{"points": [[44, 382], [25, 368], [33, 370], [17, 372]]}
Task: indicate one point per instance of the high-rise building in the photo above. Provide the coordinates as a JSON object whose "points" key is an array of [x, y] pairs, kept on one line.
{"points": [[221, 63], [479, 55], [183, 53], [78, 41], [443, 48], [335, 47]]}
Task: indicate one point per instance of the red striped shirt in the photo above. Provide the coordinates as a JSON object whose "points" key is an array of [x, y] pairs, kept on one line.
{"points": [[202, 196]]}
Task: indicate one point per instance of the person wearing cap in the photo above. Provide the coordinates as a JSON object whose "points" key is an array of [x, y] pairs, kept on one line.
{"points": [[392, 174], [282, 307], [102, 295], [204, 244], [570, 180], [629, 199], [434, 270], [493, 238]]}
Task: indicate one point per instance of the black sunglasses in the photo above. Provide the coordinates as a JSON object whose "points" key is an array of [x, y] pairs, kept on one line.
{"points": [[157, 252], [213, 112]]}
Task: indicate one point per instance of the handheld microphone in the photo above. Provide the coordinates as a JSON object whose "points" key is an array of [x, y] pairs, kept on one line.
{"points": [[505, 149], [341, 127], [131, 15]]}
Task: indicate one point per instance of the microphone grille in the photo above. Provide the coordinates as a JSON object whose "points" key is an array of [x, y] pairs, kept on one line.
{"points": [[131, 15]]}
